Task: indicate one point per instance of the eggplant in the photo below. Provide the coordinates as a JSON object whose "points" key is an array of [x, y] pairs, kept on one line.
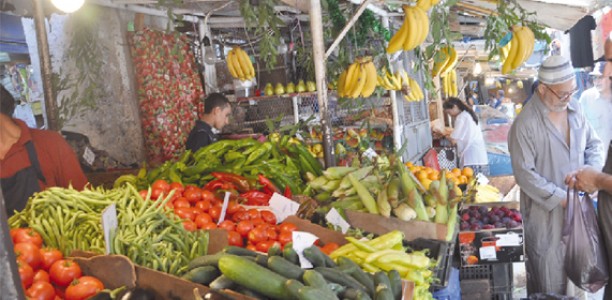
{"points": [[102, 295], [140, 294]]}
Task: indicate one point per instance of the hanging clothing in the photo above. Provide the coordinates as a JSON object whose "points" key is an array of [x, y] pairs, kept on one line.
{"points": [[597, 110], [581, 45], [604, 207], [24, 112], [540, 161], [200, 136], [470, 143]]}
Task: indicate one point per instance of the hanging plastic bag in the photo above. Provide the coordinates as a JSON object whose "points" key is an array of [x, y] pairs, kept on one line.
{"points": [[431, 159], [585, 257]]}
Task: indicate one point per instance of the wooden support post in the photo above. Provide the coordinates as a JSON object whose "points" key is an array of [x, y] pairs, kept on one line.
{"points": [[318, 45], [45, 66], [346, 28]]}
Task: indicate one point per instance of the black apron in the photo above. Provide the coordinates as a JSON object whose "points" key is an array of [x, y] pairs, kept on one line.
{"points": [[17, 189], [604, 207]]}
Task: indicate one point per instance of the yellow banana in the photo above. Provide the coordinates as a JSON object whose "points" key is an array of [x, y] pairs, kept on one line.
{"points": [[410, 18], [239, 71], [504, 51], [507, 66], [230, 65], [361, 80], [522, 51], [341, 81], [414, 89], [399, 38], [370, 84], [248, 63], [423, 24], [245, 62], [395, 81], [424, 4], [352, 75], [452, 61], [439, 66], [453, 83], [530, 42], [388, 82], [434, 2], [421, 96]]}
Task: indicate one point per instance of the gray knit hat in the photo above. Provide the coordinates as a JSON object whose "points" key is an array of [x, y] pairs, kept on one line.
{"points": [[556, 69]]}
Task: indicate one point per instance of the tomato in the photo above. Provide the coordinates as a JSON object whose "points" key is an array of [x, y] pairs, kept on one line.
{"points": [[202, 219], [83, 288], [27, 235], [208, 196], [176, 186], [258, 235], [285, 237], [287, 226], [244, 227], [268, 216], [181, 202], [26, 273], [215, 213], [193, 195], [251, 247], [190, 225], [265, 245], [228, 225], [234, 239], [161, 185], [155, 194], [272, 234], [253, 213], [13, 232], [240, 216], [204, 205], [41, 275], [143, 194], [232, 207], [258, 221], [170, 205], [196, 211], [29, 253], [49, 256], [59, 292], [209, 226], [64, 271], [329, 248], [184, 213], [41, 290]]}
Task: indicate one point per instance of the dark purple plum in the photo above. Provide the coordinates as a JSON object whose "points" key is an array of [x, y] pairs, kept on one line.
{"points": [[475, 227], [464, 225], [488, 226], [499, 225], [483, 210], [495, 219]]}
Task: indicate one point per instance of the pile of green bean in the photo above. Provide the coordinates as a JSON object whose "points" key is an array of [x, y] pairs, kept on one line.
{"points": [[150, 236]]}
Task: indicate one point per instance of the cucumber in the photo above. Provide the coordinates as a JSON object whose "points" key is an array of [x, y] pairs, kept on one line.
{"points": [[202, 275], [285, 267], [275, 250], [380, 278], [222, 282], [261, 260], [249, 293], [294, 286], [315, 256], [239, 251], [355, 294], [313, 293], [253, 276], [336, 288], [383, 292], [336, 276], [396, 283], [290, 254], [346, 265], [365, 279], [315, 279], [205, 260]]}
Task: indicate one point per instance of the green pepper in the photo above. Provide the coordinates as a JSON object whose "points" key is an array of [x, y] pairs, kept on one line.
{"points": [[173, 174], [199, 168], [245, 143], [214, 149], [185, 157], [283, 141], [232, 155], [260, 152]]}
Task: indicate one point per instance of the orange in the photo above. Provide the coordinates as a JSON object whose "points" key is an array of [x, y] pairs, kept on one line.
{"points": [[463, 179], [426, 183], [472, 260], [468, 172], [413, 169], [409, 164], [456, 172], [421, 175], [433, 176]]}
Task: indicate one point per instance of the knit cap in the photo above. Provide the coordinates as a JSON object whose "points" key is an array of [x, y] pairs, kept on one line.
{"points": [[556, 69]]}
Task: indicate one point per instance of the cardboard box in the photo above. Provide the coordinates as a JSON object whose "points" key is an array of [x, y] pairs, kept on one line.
{"points": [[491, 246], [412, 229]]}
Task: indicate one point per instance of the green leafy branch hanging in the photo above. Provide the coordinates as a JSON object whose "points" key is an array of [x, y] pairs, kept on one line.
{"points": [[262, 18], [169, 6]]}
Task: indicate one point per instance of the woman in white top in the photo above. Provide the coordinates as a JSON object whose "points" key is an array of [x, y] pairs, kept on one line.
{"points": [[467, 136]]}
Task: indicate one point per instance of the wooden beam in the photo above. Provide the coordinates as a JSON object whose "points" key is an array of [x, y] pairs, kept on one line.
{"points": [[347, 27], [45, 66]]}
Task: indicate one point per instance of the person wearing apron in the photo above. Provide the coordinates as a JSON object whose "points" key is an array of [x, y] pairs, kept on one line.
{"points": [[32, 159]]}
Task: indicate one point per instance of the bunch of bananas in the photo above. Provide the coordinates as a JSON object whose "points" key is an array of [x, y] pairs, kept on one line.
{"points": [[449, 84], [426, 4], [448, 63], [390, 82], [487, 193], [415, 93], [521, 48], [359, 80], [413, 32], [239, 64], [400, 81]]}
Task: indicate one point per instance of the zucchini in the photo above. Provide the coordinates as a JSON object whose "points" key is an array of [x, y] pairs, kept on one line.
{"points": [[380, 278], [290, 254], [285, 267], [205, 260], [262, 260], [253, 276], [202, 275], [275, 250], [396, 283], [314, 256], [383, 292], [336, 276], [239, 251], [315, 279], [222, 282], [293, 287], [313, 293]]}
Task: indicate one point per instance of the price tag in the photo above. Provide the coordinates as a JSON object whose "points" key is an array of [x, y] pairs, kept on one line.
{"points": [[283, 206], [299, 136], [482, 179], [224, 208], [334, 218], [370, 154], [301, 241], [109, 225], [510, 239], [89, 156], [488, 253]]}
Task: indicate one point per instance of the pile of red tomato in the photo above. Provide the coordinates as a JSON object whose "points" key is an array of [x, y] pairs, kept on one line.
{"points": [[45, 274]]}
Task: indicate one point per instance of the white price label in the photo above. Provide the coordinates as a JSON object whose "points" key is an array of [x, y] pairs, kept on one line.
{"points": [[283, 206], [109, 225], [483, 180], [488, 253], [224, 208], [370, 153], [509, 239], [89, 156], [299, 137], [301, 241], [334, 218]]}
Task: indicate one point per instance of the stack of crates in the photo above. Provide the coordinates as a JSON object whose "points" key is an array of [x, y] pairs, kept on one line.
{"points": [[490, 281]]}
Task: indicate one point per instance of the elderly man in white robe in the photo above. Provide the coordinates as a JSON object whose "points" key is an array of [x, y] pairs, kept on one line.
{"points": [[549, 139]]}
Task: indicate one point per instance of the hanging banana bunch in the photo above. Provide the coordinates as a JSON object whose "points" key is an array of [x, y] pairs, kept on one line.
{"points": [[391, 82], [448, 63], [411, 89], [521, 48], [359, 80], [449, 84], [239, 64], [413, 31]]}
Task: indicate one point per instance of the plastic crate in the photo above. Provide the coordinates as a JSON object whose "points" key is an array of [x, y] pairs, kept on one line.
{"points": [[499, 276], [443, 253]]}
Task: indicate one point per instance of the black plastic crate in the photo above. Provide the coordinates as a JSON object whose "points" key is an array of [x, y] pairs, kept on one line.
{"points": [[440, 251], [500, 278]]}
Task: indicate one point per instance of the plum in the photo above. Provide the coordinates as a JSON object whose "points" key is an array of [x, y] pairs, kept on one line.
{"points": [[488, 226], [504, 209], [485, 220], [475, 227], [464, 225], [499, 225], [506, 220], [512, 224], [483, 210], [473, 207], [465, 217], [495, 209], [475, 214], [500, 213], [495, 219], [473, 220], [514, 210], [518, 217]]}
